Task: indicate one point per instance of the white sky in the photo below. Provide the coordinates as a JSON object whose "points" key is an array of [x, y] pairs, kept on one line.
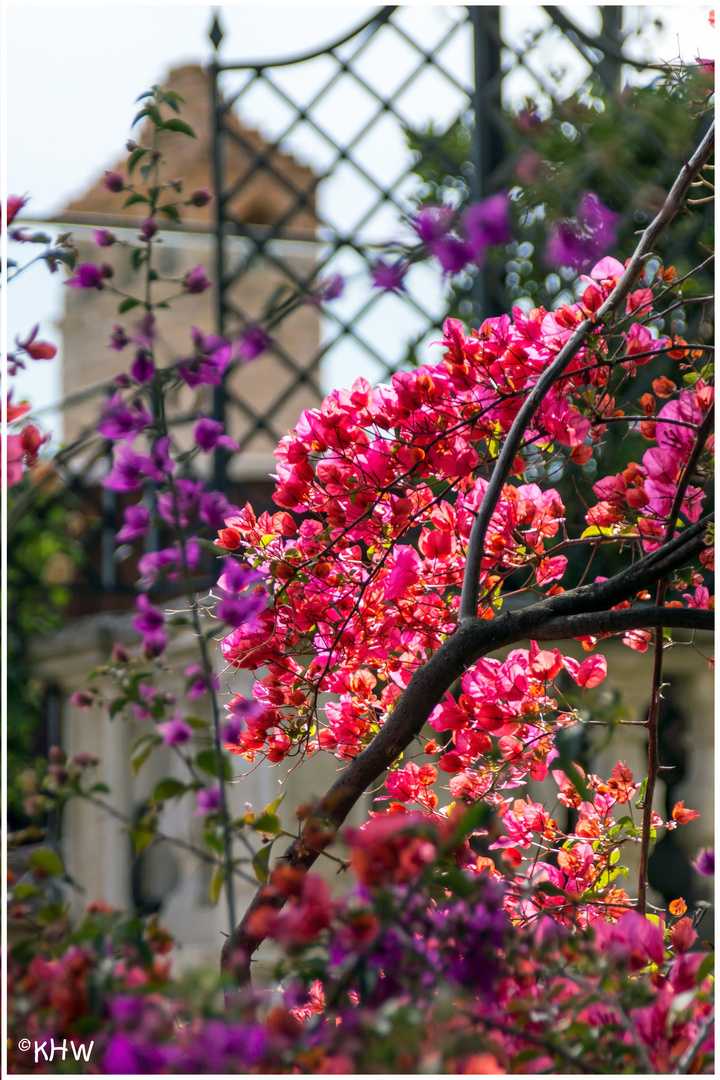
{"points": [[74, 71]]}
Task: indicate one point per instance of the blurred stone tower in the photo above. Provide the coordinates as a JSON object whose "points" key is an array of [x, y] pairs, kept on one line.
{"points": [[265, 183]]}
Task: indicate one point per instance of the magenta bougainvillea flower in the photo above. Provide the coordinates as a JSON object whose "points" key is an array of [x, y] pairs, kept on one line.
{"points": [[87, 276]]}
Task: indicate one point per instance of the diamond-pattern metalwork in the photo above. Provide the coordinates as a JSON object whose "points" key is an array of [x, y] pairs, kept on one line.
{"points": [[341, 112], [339, 116]]}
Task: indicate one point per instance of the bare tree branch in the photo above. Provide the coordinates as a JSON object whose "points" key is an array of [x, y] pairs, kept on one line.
{"points": [[577, 612], [511, 445], [574, 613]]}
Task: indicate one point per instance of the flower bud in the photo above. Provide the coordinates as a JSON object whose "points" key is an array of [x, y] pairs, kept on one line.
{"points": [[114, 181], [201, 197]]}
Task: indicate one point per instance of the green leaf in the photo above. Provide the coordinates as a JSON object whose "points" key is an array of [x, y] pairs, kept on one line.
{"points": [[194, 721], [706, 967], [549, 889], [178, 125], [26, 892], [272, 807], [641, 794], [100, 789], [261, 862], [64, 256], [47, 862], [170, 211], [169, 788], [141, 836], [142, 113], [207, 760], [136, 197], [139, 152], [568, 742], [137, 257], [117, 705], [128, 304], [141, 749], [213, 841], [268, 823], [216, 883]]}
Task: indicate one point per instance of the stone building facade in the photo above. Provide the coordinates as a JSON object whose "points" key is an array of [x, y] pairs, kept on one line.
{"points": [[265, 195]]}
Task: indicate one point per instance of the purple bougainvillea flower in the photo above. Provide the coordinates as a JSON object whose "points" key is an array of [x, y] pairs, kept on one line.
{"points": [[331, 287], [122, 421], [210, 433], [452, 253], [236, 576], [207, 365], [252, 342], [705, 862], [175, 731], [86, 276], [389, 276], [208, 800], [103, 237], [168, 560], [579, 243], [154, 643], [128, 471], [487, 223], [160, 456], [598, 219], [215, 509], [114, 181], [197, 681], [433, 222], [136, 523], [241, 610], [201, 197], [150, 618], [142, 368], [118, 338], [148, 228], [196, 281], [154, 563], [180, 507]]}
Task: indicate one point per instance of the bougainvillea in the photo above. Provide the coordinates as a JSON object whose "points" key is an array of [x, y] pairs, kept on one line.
{"points": [[420, 529]]}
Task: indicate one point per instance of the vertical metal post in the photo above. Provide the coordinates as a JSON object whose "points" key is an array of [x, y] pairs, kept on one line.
{"points": [[487, 143], [108, 566], [610, 69], [218, 410]]}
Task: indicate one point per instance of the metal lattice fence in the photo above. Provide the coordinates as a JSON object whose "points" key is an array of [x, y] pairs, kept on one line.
{"points": [[313, 172]]}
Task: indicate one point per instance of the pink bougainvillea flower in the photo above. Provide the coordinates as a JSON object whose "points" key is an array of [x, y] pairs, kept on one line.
{"points": [[38, 350], [589, 673], [15, 204]]}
